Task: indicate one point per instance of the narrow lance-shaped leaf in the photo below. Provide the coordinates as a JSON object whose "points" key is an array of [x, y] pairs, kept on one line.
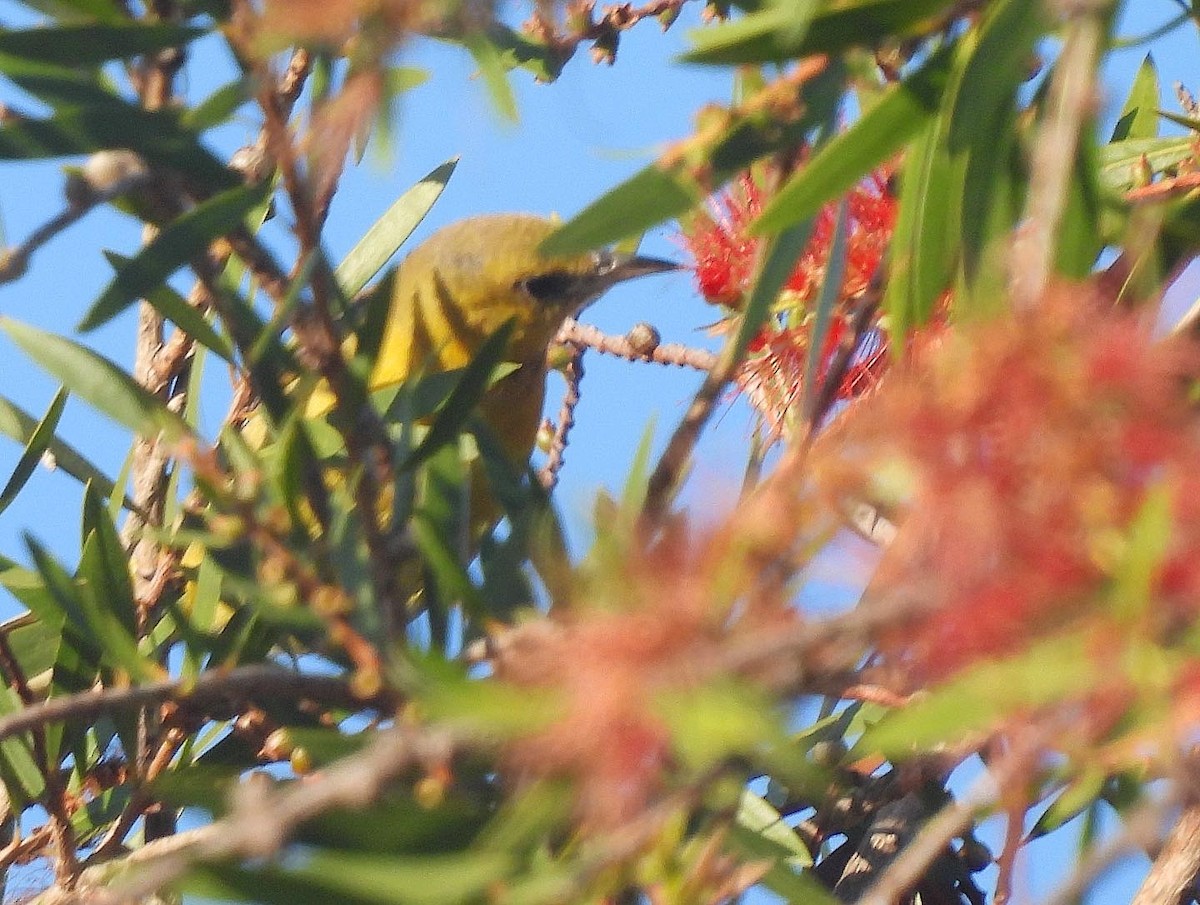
{"points": [[1139, 116], [175, 308], [773, 35], [391, 230], [904, 109], [97, 381], [94, 43], [466, 394], [39, 442], [831, 291], [18, 424], [173, 247]]}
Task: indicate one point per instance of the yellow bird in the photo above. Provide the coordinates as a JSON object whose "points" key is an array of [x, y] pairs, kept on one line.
{"points": [[465, 281]]}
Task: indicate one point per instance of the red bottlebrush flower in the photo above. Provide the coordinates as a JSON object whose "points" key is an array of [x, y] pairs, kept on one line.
{"points": [[1034, 447], [726, 254]]}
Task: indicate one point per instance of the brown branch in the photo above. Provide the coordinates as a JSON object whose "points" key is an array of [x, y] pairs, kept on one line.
{"points": [[624, 347], [212, 687], [573, 374]]}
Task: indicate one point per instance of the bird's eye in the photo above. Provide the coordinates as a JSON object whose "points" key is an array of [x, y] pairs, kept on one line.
{"points": [[555, 286]]}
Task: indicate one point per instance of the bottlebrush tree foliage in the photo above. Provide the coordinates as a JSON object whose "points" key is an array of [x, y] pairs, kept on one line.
{"points": [[275, 673]]}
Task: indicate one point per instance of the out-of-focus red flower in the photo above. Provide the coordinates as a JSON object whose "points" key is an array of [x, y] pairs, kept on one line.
{"points": [[726, 254], [1032, 447], [658, 626]]}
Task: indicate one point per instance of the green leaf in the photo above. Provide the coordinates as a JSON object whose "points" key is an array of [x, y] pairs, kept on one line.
{"points": [[97, 381], [467, 392], [1051, 670], [1121, 161], [856, 23], [390, 231], [111, 579], [495, 75], [653, 195], [761, 35], [18, 424], [1139, 116], [80, 10], [39, 442], [19, 771], [756, 814], [822, 316], [174, 246], [924, 241], [902, 112], [355, 878], [94, 43], [218, 107], [175, 308], [155, 134], [1145, 548]]}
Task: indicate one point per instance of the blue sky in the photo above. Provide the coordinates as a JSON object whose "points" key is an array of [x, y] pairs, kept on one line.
{"points": [[575, 139]]}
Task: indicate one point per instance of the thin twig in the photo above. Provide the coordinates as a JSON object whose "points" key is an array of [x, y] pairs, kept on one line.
{"points": [[14, 261], [953, 820], [666, 354], [573, 374]]}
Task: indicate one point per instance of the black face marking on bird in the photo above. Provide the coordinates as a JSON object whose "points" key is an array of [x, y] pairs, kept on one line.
{"points": [[554, 287]]}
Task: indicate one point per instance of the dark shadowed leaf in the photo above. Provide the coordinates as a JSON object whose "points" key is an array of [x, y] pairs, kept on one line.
{"points": [[175, 308], [174, 246], [94, 43]]}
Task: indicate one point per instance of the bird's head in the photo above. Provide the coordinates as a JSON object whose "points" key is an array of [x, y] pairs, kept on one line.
{"points": [[488, 269]]}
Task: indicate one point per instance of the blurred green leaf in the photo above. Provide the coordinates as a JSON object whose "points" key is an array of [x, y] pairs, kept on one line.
{"points": [[97, 381], [1139, 116], [391, 230], [80, 10], [94, 43], [762, 36], [487, 55], [976, 700], [718, 721], [39, 441], [822, 312], [902, 112], [1083, 789], [154, 134], [109, 578], [1121, 161], [653, 195], [18, 770], [352, 878], [174, 246], [756, 815], [218, 107], [777, 31]]}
